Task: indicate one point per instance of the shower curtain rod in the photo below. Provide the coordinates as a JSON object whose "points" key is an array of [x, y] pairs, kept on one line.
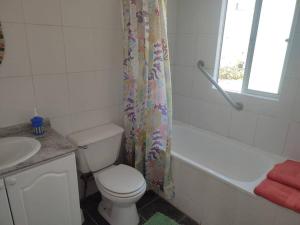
{"points": [[237, 105]]}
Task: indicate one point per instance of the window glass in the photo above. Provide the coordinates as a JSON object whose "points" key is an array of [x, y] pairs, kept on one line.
{"points": [[271, 44], [235, 44]]}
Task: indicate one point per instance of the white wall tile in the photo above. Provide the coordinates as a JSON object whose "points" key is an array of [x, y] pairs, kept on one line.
{"points": [[183, 80], [185, 50], [80, 52], [182, 108], [117, 82], [44, 51], [292, 146], [172, 16], [117, 115], [280, 108], [108, 48], [79, 12], [208, 16], [61, 124], [270, 134], [11, 11], [243, 126], [46, 48], [206, 46], [108, 86], [16, 58], [51, 95], [293, 65], [297, 27], [109, 14], [197, 16], [213, 117], [16, 100], [42, 11], [83, 91], [187, 16], [88, 119]]}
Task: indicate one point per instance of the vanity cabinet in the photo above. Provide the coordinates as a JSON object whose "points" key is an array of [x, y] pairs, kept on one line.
{"points": [[5, 215], [46, 194]]}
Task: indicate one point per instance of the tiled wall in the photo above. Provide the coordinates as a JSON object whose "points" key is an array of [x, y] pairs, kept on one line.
{"points": [[271, 125], [63, 57]]}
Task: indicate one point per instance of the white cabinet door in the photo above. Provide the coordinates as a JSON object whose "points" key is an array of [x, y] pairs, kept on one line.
{"points": [[46, 194], [5, 214]]}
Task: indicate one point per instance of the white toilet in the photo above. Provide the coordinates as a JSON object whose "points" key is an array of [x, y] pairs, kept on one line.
{"points": [[121, 186]]}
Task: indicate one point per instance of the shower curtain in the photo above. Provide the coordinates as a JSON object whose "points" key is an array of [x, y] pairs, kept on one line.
{"points": [[147, 92]]}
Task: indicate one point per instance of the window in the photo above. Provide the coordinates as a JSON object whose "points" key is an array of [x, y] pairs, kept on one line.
{"points": [[253, 45]]}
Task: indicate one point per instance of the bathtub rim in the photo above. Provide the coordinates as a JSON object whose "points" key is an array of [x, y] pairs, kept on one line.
{"points": [[245, 187]]}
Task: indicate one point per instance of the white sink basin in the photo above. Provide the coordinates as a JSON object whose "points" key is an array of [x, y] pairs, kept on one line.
{"points": [[14, 150]]}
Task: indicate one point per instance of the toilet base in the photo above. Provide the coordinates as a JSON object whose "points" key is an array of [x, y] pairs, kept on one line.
{"points": [[118, 214]]}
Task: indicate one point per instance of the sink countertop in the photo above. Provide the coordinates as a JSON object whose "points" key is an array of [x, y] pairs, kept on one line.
{"points": [[53, 145]]}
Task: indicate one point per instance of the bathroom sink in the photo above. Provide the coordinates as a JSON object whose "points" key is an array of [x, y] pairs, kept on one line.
{"points": [[14, 150]]}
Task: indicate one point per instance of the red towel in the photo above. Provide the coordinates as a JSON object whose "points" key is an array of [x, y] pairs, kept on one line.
{"points": [[280, 194], [287, 173]]}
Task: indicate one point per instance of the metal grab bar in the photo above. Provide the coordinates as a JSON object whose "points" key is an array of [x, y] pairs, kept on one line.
{"points": [[237, 105]]}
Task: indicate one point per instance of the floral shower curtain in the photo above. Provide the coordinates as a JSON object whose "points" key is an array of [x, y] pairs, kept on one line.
{"points": [[147, 92]]}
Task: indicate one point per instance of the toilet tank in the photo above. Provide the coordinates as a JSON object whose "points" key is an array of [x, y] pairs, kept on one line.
{"points": [[98, 147]]}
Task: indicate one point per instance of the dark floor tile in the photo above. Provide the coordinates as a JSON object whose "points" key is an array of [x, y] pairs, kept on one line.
{"points": [[87, 219], [147, 206], [142, 221], [91, 201], [90, 205], [148, 197], [97, 217], [99, 220], [187, 221], [160, 205]]}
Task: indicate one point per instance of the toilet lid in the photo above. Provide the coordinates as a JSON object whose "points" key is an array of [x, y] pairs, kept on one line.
{"points": [[121, 179]]}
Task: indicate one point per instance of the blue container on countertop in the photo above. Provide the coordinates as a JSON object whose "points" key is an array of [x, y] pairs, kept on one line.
{"points": [[37, 123]]}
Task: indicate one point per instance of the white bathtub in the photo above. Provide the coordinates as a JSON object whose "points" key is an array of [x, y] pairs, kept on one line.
{"points": [[215, 177]]}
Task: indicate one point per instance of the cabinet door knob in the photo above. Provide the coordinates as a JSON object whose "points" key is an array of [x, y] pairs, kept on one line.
{"points": [[11, 181]]}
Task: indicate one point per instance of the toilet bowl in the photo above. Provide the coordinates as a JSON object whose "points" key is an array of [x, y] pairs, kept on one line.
{"points": [[121, 186]]}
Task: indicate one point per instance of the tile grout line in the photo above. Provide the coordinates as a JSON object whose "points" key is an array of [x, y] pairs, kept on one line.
{"points": [[142, 218], [92, 218], [148, 203], [183, 217]]}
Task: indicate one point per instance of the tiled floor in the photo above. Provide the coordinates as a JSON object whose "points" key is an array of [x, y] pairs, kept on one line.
{"points": [[147, 206]]}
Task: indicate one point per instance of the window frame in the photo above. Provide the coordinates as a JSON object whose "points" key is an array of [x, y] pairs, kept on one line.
{"points": [[251, 48]]}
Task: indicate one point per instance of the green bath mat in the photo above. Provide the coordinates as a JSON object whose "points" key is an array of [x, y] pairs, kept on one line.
{"points": [[160, 219]]}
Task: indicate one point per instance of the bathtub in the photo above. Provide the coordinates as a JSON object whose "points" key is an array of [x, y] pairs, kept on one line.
{"points": [[215, 176]]}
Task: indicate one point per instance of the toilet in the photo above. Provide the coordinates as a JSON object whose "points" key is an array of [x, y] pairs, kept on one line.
{"points": [[121, 186]]}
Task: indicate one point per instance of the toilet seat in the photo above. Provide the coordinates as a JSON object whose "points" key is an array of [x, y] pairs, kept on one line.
{"points": [[124, 196], [121, 181]]}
